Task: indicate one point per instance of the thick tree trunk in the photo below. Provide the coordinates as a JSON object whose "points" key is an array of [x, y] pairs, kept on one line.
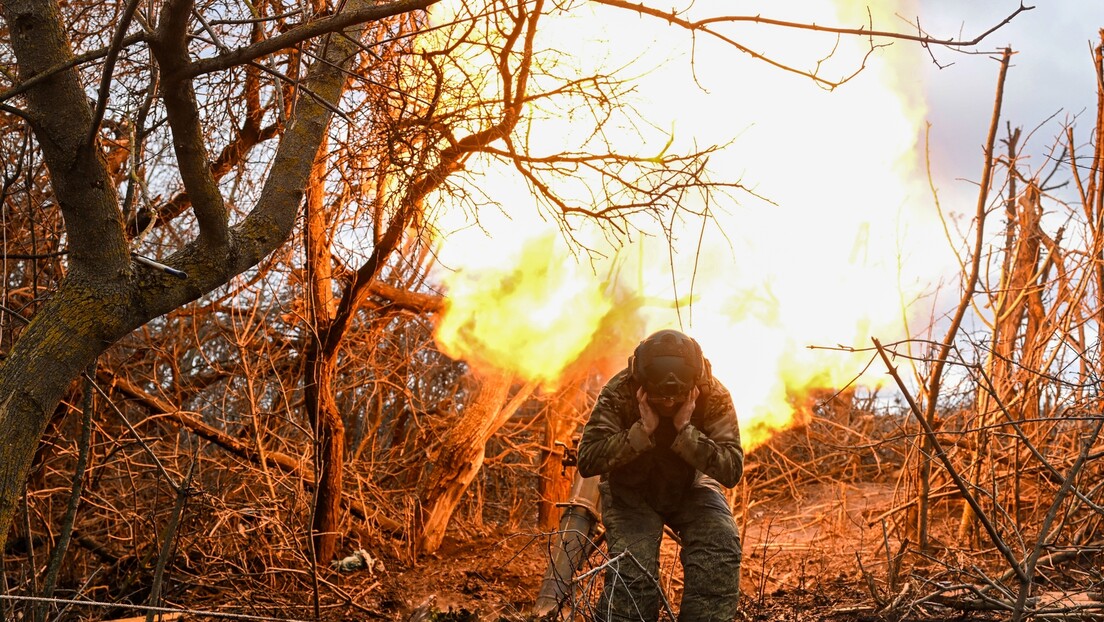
{"points": [[64, 337], [105, 295]]}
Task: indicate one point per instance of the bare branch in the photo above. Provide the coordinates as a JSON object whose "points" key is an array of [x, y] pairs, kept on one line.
{"points": [[61, 118], [109, 66], [310, 30], [706, 26], [73, 61], [170, 48]]}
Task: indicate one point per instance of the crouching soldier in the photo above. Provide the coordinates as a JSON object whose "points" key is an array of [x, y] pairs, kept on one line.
{"points": [[663, 436]]}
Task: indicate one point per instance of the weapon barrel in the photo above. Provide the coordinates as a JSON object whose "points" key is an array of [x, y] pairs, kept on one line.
{"points": [[573, 544]]}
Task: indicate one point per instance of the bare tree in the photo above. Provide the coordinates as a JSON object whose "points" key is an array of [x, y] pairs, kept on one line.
{"points": [[105, 293], [1022, 449]]}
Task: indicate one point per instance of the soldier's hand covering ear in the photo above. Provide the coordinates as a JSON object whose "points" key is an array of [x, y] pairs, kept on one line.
{"points": [[647, 416], [682, 417]]}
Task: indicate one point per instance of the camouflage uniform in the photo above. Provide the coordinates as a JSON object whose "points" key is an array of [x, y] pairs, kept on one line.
{"points": [[672, 479]]}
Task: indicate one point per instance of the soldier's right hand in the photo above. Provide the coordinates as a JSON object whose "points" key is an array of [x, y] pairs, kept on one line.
{"points": [[647, 416]]}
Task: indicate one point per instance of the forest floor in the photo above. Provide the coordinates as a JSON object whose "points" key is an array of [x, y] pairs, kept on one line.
{"points": [[822, 512], [804, 561]]}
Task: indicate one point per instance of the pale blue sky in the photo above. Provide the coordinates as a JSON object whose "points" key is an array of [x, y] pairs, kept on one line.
{"points": [[1051, 74]]}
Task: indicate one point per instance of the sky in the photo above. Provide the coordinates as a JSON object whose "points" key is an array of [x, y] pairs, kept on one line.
{"points": [[1051, 75]]}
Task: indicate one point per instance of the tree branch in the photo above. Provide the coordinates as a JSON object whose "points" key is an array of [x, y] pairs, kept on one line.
{"points": [[61, 118], [345, 19], [937, 449], [706, 26], [182, 111]]}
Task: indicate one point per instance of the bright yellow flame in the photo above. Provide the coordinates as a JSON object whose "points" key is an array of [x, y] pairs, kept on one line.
{"points": [[847, 246], [533, 314]]}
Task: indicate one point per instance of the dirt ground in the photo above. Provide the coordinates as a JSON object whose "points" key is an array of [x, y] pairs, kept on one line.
{"points": [[819, 519], [802, 562]]}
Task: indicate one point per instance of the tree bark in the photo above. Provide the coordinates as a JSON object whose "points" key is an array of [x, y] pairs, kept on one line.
{"points": [[105, 295], [325, 420], [457, 461]]}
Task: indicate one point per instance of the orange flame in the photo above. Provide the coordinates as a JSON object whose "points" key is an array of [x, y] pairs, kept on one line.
{"points": [[841, 255]]}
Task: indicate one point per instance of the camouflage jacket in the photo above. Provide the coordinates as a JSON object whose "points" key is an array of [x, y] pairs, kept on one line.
{"points": [[662, 466]]}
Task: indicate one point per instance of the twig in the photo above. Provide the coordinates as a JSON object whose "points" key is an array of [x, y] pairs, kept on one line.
{"points": [[182, 494], [137, 437], [599, 567], [869, 580], [80, 592], [942, 455], [284, 462], [74, 499], [312, 552], [1058, 557], [991, 390], [895, 606], [1052, 513], [118, 41], [609, 562], [194, 612], [893, 560]]}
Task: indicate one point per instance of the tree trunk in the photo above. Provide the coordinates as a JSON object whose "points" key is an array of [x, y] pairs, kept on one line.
{"points": [[1007, 317], [105, 294], [320, 369], [1016, 353], [61, 341], [329, 450], [457, 461]]}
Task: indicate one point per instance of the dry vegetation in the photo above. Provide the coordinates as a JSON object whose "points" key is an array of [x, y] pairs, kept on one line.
{"points": [[827, 510]]}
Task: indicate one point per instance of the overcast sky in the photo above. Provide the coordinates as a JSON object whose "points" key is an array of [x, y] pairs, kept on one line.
{"points": [[1051, 74]]}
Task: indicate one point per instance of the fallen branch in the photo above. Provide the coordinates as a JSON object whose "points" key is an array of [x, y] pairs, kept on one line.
{"points": [[1052, 605], [1059, 557], [163, 610]]}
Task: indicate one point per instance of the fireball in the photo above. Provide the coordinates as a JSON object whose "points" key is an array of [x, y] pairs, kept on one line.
{"points": [[836, 244]]}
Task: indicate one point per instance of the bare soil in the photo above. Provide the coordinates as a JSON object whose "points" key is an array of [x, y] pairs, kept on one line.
{"points": [[802, 562]]}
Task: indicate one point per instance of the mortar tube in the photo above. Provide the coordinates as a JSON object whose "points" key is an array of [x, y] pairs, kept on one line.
{"points": [[578, 526]]}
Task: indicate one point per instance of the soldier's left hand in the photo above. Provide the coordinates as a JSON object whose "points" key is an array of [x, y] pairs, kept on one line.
{"points": [[682, 417]]}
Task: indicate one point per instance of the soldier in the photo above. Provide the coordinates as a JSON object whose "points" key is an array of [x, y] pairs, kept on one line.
{"points": [[664, 437]]}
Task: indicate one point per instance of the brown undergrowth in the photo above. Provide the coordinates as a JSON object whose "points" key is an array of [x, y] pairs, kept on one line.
{"points": [[826, 512]]}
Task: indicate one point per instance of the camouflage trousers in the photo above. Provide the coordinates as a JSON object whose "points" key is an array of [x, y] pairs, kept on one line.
{"points": [[710, 555]]}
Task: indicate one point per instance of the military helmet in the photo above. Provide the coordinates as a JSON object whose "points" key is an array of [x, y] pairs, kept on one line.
{"points": [[668, 364]]}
